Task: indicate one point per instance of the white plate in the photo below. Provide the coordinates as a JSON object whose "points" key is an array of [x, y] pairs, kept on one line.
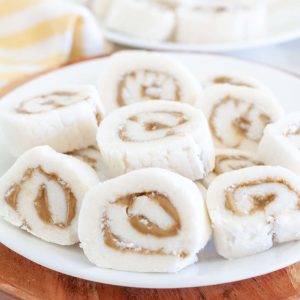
{"points": [[211, 269], [283, 26]]}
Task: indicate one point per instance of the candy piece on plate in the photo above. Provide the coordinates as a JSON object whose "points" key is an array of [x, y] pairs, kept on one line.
{"points": [[280, 144], [42, 193], [64, 117], [220, 21], [227, 160], [142, 19], [92, 156], [238, 115], [132, 76], [149, 220], [254, 208], [162, 134], [235, 79]]}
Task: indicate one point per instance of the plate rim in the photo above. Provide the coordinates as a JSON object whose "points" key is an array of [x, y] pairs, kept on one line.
{"points": [[130, 41]]}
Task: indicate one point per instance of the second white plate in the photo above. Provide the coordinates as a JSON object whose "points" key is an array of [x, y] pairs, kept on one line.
{"points": [[283, 26]]}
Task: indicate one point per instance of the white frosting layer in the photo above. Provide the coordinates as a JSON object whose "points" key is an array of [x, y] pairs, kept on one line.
{"points": [[183, 195]]}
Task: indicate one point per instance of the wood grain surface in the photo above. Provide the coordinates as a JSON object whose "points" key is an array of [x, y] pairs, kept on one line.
{"points": [[23, 279]]}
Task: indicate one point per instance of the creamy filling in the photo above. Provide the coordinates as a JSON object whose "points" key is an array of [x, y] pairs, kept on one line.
{"points": [[89, 155], [227, 163], [250, 197], [47, 186], [147, 85], [160, 220], [230, 80], [149, 126], [243, 121], [49, 102]]}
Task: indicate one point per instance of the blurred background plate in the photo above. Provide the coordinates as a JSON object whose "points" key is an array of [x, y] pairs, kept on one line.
{"points": [[210, 269], [283, 26]]}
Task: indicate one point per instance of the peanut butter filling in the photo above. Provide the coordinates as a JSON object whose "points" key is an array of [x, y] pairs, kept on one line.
{"points": [[83, 154], [143, 225], [259, 202], [41, 201], [150, 85], [244, 162], [230, 80], [241, 124], [49, 102], [151, 126]]}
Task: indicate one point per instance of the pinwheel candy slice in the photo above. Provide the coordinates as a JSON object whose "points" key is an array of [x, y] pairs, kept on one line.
{"points": [[42, 193], [227, 160], [220, 21], [147, 20], [64, 117], [162, 134], [254, 208], [149, 220], [237, 116], [132, 76], [280, 144]]}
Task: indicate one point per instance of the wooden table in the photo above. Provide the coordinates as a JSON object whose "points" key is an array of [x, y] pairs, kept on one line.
{"points": [[23, 279]]}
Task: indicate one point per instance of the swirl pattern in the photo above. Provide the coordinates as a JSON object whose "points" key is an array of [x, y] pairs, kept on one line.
{"points": [[41, 201], [147, 85], [149, 126], [246, 121], [48, 102]]}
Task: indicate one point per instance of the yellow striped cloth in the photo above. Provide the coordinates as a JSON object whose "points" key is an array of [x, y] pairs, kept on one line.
{"points": [[39, 34]]}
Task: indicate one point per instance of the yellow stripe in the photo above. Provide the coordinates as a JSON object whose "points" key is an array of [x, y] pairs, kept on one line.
{"points": [[38, 32], [8, 76], [8, 7], [53, 60], [77, 47]]}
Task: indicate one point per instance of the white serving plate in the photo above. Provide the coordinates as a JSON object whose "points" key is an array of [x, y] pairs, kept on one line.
{"points": [[283, 26], [211, 269]]}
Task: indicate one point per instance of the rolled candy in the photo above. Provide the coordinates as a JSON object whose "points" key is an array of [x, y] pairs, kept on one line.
{"points": [[220, 21], [42, 193], [162, 134], [253, 208], [65, 117], [142, 19], [91, 156], [234, 79], [132, 76], [237, 116], [227, 160], [280, 144], [149, 220]]}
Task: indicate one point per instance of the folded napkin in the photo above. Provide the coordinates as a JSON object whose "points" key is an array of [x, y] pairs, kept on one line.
{"points": [[40, 34]]}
